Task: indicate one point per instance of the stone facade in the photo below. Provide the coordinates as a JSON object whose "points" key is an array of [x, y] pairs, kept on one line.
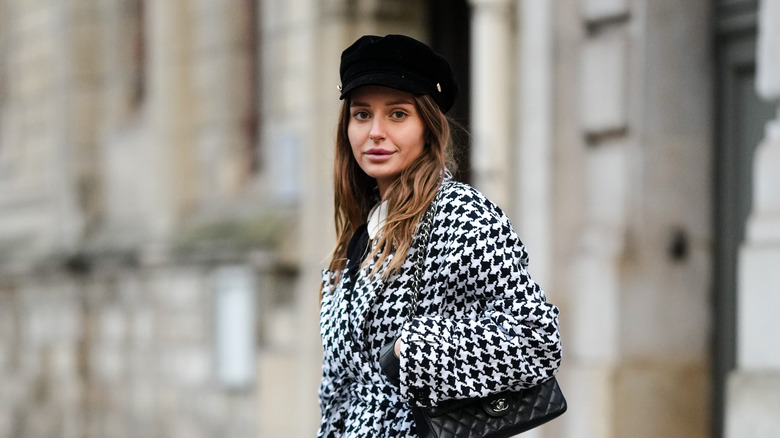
{"points": [[118, 352], [129, 176], [162, 161]]}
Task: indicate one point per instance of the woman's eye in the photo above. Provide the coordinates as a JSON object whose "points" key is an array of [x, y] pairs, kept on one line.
{"points": [[398, 114], [360, 115]]}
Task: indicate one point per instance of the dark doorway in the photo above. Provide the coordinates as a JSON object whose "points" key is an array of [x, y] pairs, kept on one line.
{"points": [[449, 26], [741, 116]]}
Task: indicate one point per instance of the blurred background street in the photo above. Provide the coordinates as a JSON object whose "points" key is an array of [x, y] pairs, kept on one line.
{"points": [[166, 204]]}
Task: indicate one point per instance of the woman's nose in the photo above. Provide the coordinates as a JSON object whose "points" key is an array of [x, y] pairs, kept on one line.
{"points": [[377, 131]]}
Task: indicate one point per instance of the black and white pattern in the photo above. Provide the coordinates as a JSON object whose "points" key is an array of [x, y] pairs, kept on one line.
{"points": [[482, 325]]}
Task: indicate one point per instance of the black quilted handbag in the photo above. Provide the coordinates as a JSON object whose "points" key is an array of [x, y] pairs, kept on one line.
{"points": [[500, 415], [497, 416]]}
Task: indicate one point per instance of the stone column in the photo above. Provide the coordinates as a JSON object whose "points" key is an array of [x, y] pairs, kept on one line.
{"points": [[224, 94], [491, 97], [532, 195], [301, 42], [753, 399], [315, 208], [76, 190], [169, 113], [592, 325]]}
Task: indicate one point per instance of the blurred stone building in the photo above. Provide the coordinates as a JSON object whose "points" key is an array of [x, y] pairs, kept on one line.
{"points": [[165, 204]]}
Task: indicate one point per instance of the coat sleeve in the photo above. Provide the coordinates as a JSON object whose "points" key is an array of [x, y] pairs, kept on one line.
{"points": [[326, 389], [496, 331]]}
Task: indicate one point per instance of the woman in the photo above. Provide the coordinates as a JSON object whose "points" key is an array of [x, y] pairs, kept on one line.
{"points": [[481, 324]]}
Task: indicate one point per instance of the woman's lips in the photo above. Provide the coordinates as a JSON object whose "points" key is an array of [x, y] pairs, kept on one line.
{"points": [[377, 154]]}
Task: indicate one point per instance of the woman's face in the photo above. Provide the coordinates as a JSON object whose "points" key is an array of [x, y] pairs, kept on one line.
{"points": [[385, 132]]}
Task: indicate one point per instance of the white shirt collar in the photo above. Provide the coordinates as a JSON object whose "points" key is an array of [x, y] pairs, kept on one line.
{"points": [[376, 219]]}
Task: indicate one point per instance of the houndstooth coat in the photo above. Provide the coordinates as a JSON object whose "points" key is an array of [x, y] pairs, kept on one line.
{"points": [[481, 326]]}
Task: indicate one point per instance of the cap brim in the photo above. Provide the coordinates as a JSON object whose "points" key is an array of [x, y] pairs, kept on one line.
{"points": [[385, 80]]}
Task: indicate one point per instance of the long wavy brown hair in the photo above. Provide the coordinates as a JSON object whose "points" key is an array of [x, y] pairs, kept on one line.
{"points": [[408, 197]]}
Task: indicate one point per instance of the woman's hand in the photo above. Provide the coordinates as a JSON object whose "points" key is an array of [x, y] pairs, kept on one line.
{"points": [[397, 348]]}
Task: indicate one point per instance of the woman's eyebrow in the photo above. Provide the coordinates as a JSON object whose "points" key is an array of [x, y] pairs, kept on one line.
{"points": [[399, 102]]}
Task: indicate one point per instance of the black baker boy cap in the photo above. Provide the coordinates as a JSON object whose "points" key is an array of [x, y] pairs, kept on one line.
{"points": [[399, 62]]}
